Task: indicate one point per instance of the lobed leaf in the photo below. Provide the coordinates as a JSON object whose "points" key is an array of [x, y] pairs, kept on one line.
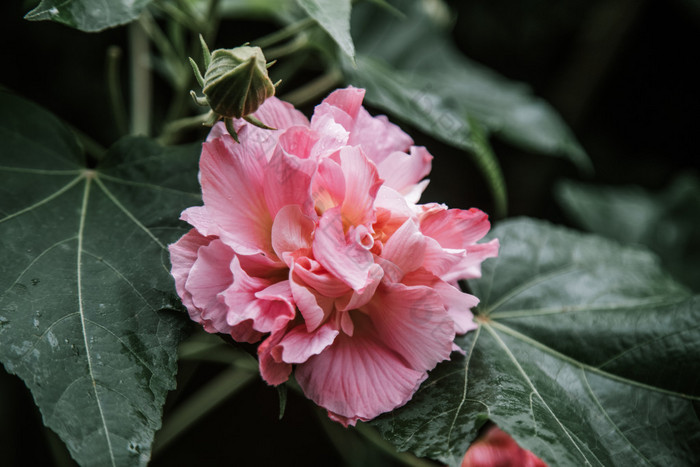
{"points": [[87, 306], [587, 353]]}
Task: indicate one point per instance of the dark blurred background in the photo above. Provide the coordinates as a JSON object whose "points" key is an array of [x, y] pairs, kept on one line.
{"points": [[622, 73]]}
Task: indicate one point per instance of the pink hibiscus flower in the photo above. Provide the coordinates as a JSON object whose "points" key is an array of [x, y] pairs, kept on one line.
{"points": [[495, 448], [311, 239]]}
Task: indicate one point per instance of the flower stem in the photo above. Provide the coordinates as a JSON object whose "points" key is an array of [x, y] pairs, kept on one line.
{"points": [[116, 97], [141, 80], [284, 33], [225, 385], [311, 91]]}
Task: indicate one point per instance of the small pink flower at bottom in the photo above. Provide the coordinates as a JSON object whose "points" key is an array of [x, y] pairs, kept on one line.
{"points": [[310, 239], [495, 448]]}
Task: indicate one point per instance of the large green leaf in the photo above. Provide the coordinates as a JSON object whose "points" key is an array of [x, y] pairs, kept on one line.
{"points": [[411, 69], [334, 17], [586, 352], [87, 311], [666, 222], [88, 15]]}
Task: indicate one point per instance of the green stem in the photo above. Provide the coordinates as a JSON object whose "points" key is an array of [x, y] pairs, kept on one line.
{"points": [[284, 33], [172, 129], [91, 146], [116, 97], [311, 91], [178, 67], [293, 46], [141, 80], [225, 385]]}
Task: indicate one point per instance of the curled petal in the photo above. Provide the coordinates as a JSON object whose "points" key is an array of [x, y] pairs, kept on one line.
{"points": [[298, 345], [268, 305], [348, 261], [402, 171]]}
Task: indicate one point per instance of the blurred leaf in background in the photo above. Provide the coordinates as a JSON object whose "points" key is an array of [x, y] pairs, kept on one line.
{"points": [[667, 222]]}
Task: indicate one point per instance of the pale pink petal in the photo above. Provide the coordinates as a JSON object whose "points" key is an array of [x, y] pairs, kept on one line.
{"points": [[393, 202], [209, 276], [356, 299], [287, 181], [298, 141], [280, 114], [312, 274], [414, 193], [358, 377], [402, 171], [347, 260], [361, 185], [274, 372], [412, 321], [298, 345], [254, 298], [332, 136], [470, 266], [273, 113], [405, 248], [232, 189], [439, 260], [457, 303], [349, 100], [291, 231], [454, 228], [328, 189], [183, 254], [244, 332], [313, 306], [262, 265], [377, 136], [199, 218]]}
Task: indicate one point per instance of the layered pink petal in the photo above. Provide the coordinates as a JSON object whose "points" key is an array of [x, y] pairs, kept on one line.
{"points": [[377, 136], [412, 321], [470, 265], [454, 228], [313, 306], [183, 255], [402, 171], [349, 260], [199, 218], [405, 249], [287, 182], [273, 371], [358, 377], [292, 231], [457, 303], [362, 183], [209, 276], [268, 305], [298, 345], [349, 100]]}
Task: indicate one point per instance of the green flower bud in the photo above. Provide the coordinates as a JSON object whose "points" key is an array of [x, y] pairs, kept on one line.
{"points": [[235, 84]]}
